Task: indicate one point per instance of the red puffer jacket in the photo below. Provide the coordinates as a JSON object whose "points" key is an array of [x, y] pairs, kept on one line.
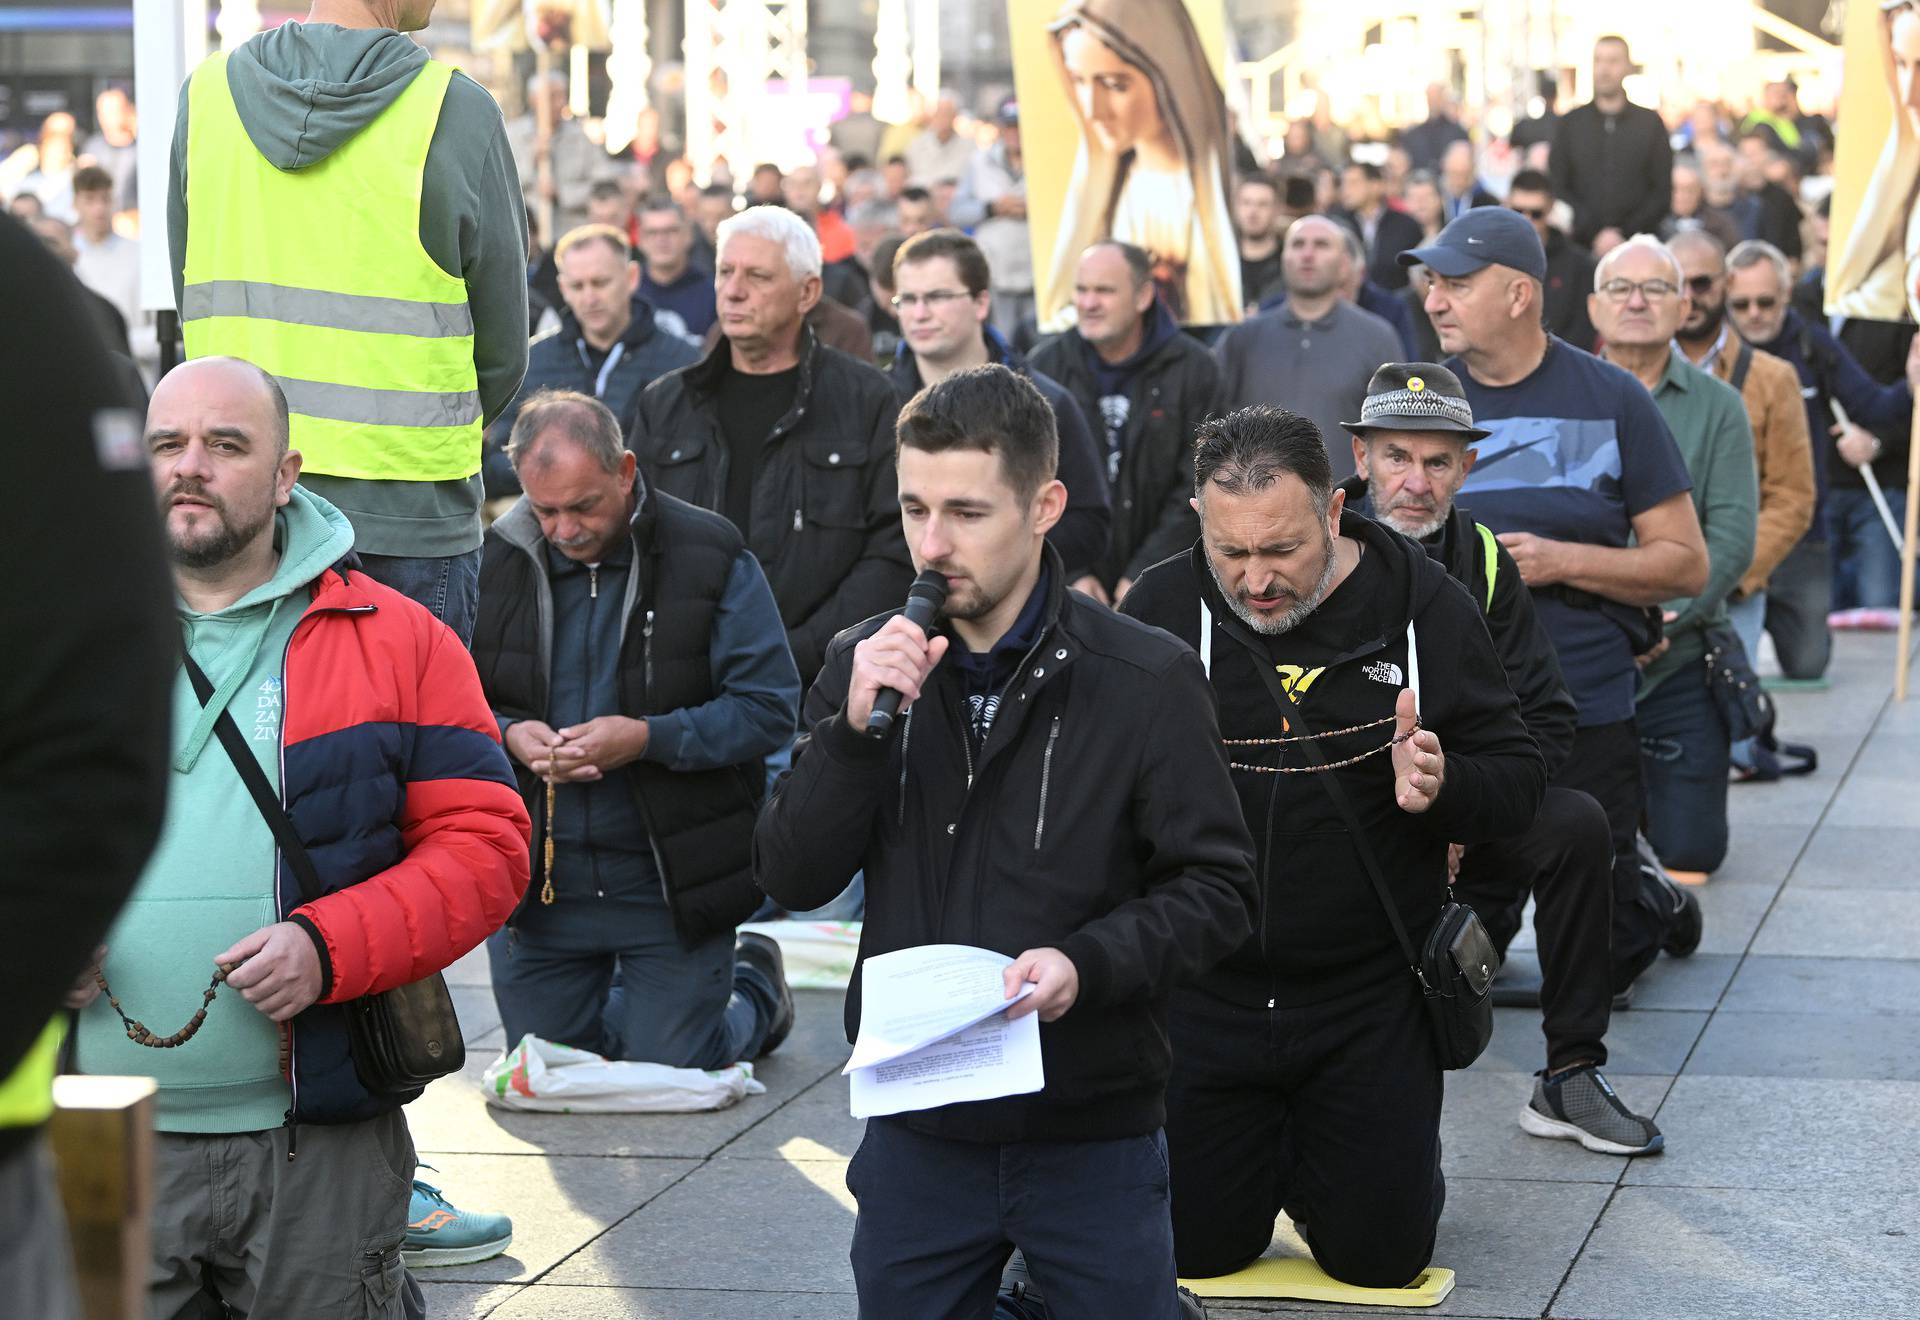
{"points": [[393, 775]]}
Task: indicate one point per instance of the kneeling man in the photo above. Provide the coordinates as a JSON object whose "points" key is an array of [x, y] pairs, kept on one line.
{"points": [[1304, 1076], [632, 652]]}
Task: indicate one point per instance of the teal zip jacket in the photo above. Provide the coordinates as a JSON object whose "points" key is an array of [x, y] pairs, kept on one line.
{"points": [[211, 880]]}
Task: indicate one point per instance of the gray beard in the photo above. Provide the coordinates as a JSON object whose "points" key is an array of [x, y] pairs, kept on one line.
{"points": [[1294, 617], [1418, 533]]}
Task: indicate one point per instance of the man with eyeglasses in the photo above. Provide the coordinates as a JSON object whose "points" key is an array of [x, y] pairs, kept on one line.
{"points": [[1639, 302], [943, 297], [1569, 266], [1768, 387], [1581, 479], [1800, 590]]}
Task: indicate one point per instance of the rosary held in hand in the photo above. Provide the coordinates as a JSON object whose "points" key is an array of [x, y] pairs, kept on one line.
{"points": [[138, 1033], [1395, 741]]}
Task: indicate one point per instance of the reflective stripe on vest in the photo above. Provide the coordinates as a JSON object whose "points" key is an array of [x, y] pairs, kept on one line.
{"points": [[318, 276], [26, 1097], [1490, 553]]}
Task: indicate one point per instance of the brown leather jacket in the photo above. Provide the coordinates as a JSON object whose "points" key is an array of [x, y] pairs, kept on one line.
{"points": [[1782, 452]]}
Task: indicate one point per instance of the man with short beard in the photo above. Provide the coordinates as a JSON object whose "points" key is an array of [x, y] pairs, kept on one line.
{"points": [[1413, 448], [1304, 1074], [363, 717]]}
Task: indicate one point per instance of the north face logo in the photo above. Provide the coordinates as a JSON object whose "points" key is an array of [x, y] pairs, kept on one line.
{"points": [[1383, 671]]}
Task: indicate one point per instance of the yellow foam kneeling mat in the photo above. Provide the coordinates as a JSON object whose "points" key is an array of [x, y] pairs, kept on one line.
{"points": [[1299, 1278]]}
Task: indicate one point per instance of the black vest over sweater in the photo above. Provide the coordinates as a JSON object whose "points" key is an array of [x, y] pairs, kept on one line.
{"points": [[700, 822]]}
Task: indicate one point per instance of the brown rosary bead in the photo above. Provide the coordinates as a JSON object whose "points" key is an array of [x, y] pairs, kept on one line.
{"points": [[138, 1032]]}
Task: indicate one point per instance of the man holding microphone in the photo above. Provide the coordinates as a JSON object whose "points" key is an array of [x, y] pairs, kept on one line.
{"points": [[1054, 789]]}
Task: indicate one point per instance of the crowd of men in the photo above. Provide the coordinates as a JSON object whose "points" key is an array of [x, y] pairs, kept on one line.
{"points": [[555, 589]]}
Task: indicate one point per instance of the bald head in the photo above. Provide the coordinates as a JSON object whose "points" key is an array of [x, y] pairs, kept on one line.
{"points": [[234, 381], [217, 448]]}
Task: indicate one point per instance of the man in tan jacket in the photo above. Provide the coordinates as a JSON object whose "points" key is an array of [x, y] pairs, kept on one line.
{"points": [[1770, 388]]}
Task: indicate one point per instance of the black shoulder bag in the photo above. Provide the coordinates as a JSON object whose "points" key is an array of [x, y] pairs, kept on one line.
{"points": [[400, 1039], [1455, 968]]}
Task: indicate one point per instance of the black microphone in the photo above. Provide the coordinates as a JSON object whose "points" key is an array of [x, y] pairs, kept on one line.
{"points": [[924, 599]]}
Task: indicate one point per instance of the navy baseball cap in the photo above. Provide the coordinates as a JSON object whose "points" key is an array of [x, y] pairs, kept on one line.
{"points": [[1484, 236]]}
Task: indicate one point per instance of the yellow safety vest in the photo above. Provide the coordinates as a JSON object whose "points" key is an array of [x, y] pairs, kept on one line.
{"points": [[318, 276], [26, 1096]]}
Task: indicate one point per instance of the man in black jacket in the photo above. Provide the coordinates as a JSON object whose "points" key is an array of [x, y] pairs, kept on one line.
{"points": [[1365, 708], [1386, 232], [788, 438], [1412, 448], [943, 295], [1611, 159], [1148, 385], [635, 660], [1056, 792]]}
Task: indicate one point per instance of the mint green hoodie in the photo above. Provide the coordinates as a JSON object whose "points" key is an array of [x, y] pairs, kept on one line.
{"points": [[211, 880]]}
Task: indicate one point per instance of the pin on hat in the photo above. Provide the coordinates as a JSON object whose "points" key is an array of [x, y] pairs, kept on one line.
{"points": [[1416, 396]]}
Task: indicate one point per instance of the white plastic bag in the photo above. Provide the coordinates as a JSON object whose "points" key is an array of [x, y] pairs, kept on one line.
{"points": [[542, 1076], [819, 954]]}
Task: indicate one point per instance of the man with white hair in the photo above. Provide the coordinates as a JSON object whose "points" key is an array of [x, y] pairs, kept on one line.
{"points": [[790, 439], [1581, 480], [1639, 303]]}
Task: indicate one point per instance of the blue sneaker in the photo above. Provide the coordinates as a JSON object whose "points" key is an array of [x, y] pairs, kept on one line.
{"points": [[440, 1234]]}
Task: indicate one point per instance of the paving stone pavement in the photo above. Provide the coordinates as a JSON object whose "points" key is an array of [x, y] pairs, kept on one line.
{"points": [[1782, 1061]]}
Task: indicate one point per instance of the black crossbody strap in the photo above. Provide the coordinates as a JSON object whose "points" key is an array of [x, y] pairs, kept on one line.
{"points": [[256, 781], [1335, 790]]}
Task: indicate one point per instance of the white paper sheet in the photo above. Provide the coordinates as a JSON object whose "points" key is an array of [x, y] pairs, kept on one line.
{"points": [[933, 1031]]}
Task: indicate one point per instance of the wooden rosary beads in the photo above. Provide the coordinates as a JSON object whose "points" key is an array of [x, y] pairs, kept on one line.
{"points": [[137, 1031]]}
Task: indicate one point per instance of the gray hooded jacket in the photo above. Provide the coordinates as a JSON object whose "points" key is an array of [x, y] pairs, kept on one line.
{"points": [[304, 89]]}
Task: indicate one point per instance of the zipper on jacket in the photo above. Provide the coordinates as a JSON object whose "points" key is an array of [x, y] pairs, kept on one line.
{"points": [[593, 582], [293, 1137], [646, 653], [906, 742], [1046, 774], [796, 520]]}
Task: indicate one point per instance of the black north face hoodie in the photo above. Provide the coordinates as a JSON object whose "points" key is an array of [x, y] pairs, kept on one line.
{"points": [[1319, 930]]}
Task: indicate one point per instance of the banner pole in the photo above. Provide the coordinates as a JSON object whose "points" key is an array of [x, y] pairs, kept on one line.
{"points": [[1907, 557]]}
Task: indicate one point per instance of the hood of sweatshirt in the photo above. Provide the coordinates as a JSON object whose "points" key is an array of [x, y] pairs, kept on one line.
{"points": [[312, 536], [304, 89], [1112, 377]]}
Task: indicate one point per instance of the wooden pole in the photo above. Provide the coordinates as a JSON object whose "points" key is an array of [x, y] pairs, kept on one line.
{"points": [[1907, 557]]}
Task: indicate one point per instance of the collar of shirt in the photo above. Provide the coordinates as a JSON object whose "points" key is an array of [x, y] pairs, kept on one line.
{"points": [[1713, 354], [1294, 319]]}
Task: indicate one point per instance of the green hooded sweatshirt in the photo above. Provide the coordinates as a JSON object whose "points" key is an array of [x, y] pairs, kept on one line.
{"points": [[304, 89], [211, 880]]}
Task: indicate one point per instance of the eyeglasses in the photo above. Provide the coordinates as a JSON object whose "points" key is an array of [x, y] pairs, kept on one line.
{"points": [[1757, 304], [1651, 290], [1703, 283], [933, 301], [1532, 212]]}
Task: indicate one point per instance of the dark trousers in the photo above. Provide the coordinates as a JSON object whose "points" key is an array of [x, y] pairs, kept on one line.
{"points": [[449, 586], [1799, 597], [1565, 861], [1866, 567], [624, 987], [1330, 1112], [1605, 765], [938, 1219], [1685, 753]]}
